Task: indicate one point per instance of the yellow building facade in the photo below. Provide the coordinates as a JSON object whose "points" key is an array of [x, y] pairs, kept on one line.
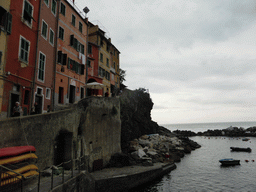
{"points": [[108, 61], [5, 29]]}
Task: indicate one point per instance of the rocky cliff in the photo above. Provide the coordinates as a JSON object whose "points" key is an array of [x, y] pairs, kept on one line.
{"points": [[136, 119]]}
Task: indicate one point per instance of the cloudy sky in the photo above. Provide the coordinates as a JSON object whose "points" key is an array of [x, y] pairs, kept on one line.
{"points": [[196, 57]]}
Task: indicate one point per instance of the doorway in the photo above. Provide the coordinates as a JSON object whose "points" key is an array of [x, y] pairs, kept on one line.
{"points": [[63, 148], [39, 101], [14, 99], [61, 95], [72, 93]]}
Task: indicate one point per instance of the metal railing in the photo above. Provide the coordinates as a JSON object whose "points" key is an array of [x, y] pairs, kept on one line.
{"points": [[59, 170], [10, 180]]}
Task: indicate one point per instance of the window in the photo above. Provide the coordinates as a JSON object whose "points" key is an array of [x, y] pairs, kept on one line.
{"points": [[89, 49], [24, 50], [51, 39], [88, 63], [107, 62], [46, 2], [26, 97], [62, 9], [62, 58], [73, 20], [75, 66], [28, 12], [107, 75], [48, 93], [44, 30], [5, 20], [102, 72], [61, 33], [76, 44], [80, 27], [54, 7], [41, 67], [108, 47], [114, 65], [101, 57]]}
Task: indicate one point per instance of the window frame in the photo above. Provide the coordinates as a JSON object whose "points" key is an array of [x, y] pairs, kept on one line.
{"points": [[62, 5], [101, 57], [89, 49], [54, 11], [107, 62], [45, 37], [73, 20], [48, 90], [52, 43], [47, 2], [39, 67], [61, 28], [80, 27], [19, 56], [23, 12]]}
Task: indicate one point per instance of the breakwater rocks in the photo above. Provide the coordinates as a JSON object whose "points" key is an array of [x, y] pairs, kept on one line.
{"points": [[154, 148], [229, 132]]}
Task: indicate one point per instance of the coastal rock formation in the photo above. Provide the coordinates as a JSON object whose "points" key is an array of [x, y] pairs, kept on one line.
{"points": [[135, 114], [153, 148], [229, 132]]}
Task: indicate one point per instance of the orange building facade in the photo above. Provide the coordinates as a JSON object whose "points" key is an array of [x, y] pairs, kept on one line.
{"points": [[71, 56]]}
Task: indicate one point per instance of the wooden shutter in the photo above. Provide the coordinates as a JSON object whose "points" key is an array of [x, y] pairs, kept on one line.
{"points": [[64, 59], [82, 70], [8, 26], [59, 56], [71, 40]]}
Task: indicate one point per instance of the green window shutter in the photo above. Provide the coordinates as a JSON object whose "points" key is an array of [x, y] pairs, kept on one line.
{"points": [[82, 48], [71, 40], [68, 63], [59, 56], [8, 26], [64, 59], [82, 69]]}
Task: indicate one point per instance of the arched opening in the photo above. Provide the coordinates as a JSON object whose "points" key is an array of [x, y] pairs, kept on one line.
{"points": [[63, 148]]}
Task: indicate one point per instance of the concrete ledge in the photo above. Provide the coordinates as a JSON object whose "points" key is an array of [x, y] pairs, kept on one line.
{"points": [[118, 179]]}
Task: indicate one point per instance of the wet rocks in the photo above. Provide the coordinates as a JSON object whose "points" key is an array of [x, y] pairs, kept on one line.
{"points": [[150, 149]]}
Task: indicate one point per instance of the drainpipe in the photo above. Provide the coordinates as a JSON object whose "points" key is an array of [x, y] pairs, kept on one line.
{"points": [[56, 51], [33, 82], [86, 76]]}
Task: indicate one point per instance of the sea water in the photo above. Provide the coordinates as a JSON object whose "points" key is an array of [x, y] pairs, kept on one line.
{"points": [[201, 170]]}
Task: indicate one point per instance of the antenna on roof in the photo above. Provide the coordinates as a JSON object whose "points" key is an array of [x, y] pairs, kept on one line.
{"points": [[86, 10]]}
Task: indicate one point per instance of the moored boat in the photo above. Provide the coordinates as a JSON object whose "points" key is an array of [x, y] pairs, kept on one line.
{"points": [[245, 139], [248, 149], [230, 161]]}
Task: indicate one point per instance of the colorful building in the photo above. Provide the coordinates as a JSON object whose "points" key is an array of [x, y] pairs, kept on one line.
{"points": [[108, 59], [5, 31], [70, 75], [21, 56], [46, 55], [93, 66]]}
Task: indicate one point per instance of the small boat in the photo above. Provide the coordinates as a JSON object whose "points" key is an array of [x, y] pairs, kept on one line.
{"points": [[245, 139], [14, 151], [248, 149], [228, 162]]}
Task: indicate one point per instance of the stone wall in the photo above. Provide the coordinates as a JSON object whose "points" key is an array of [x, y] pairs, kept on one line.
{"points": [[92, 128]]}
